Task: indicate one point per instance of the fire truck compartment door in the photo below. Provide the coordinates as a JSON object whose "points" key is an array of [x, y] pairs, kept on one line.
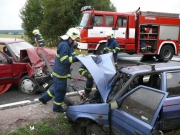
{"points": [[98, 31], [120, 33]]}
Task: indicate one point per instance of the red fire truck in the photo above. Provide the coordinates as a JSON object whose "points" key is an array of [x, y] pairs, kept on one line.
{"points": [[147, 33]]}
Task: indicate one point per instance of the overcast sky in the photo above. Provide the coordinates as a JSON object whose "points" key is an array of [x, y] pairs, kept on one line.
{"points": [[10, 20]]}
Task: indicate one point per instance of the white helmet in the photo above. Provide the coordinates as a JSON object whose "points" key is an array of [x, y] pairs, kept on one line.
{"points": [[73, 33], [35, 32], [110, 34]]}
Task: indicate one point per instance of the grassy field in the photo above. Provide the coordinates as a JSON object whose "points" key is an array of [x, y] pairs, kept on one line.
{"points": [[9, 36]]}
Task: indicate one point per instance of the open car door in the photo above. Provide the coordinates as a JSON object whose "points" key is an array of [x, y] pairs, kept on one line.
{"points": [[137, 111]]}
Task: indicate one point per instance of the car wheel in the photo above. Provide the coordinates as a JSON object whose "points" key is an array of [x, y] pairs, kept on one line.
{"points": [[27, 85], [78, 129], [100, 48], [94, 130], [166, 53]]}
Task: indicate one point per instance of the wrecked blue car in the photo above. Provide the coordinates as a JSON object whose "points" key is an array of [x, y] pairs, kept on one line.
{"points": [[136, 100]]}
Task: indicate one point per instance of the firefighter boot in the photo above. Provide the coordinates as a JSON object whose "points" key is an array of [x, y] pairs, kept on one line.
{"points": [[42, 100], [60, 109]]}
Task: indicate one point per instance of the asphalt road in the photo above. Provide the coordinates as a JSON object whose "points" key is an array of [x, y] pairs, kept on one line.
{"points": [[13, 95]]}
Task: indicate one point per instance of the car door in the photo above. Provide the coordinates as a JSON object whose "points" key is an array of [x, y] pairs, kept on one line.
{"points": [[6, 74], [121, 31], [171, 106], [137, 111]]}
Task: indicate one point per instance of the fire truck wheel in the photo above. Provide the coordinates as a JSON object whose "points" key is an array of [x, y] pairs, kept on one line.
{"points": [[100, 48], [166, 53], [27, 85]]}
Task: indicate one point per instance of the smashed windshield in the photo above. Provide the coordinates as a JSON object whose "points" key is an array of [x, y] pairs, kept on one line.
{"points": [[84, 20], [120, 80], [16, 47]]}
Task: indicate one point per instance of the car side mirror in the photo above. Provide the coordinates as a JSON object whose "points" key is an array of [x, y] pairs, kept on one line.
{"points": [[9, 59]]}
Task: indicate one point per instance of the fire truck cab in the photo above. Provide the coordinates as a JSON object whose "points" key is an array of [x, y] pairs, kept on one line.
{"points": [[140, 32]]}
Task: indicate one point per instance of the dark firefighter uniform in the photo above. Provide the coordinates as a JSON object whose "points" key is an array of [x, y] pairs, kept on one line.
{"points": [[112, 46], [89, 83], [40, 40], [64, 57]]}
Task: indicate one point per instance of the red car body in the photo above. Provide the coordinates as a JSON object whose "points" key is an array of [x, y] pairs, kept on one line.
{"points": [[22, 64]]}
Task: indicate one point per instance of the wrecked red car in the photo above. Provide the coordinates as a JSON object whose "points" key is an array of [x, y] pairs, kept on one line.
{"points": [[24, 65]]}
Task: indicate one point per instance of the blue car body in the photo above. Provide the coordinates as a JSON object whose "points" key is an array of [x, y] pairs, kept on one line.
{"points": [[136, 105]]}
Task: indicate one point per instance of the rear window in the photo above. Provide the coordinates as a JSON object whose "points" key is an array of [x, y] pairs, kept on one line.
{"points": [[173, 84], [16, 47]]}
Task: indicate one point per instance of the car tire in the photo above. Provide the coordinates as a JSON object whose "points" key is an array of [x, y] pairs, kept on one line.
{"points": [[100, 49], [95, 130], [166, 53], [27, 85], [78, 129]]}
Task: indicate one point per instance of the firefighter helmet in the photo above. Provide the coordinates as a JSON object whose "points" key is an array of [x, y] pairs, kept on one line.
{"points": [[110, 34], [73, 33], [35, 32]]}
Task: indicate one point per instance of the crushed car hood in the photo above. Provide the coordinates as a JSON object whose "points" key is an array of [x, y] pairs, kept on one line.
{"points": [[35, 58], [102, 72]]}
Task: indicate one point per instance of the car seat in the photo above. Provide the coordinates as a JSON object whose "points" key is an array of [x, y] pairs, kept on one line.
{"points": [[154, 81], [6, 51]]}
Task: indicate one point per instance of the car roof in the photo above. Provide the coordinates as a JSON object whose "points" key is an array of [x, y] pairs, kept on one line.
{"points": [[145, 68], [9, 40]]}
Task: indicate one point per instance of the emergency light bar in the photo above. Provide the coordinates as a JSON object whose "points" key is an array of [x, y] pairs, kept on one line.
{"points": [[86, 8]]}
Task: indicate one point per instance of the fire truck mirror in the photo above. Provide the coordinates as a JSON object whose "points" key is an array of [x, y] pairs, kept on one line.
{"points": [[92, 20]]}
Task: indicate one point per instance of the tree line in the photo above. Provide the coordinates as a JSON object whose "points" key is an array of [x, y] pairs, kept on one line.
{"points": [[54, 17]]}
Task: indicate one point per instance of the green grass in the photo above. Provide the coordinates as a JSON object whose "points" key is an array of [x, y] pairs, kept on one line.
{"points": [[59, 126], [53, 126], [9, 36]]}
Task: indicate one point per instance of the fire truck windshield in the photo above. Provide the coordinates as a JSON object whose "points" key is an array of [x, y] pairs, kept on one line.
{"points": [[84, 20]]}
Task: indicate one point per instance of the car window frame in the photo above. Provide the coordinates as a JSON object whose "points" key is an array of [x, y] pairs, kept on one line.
{"points": [[121, 99]]}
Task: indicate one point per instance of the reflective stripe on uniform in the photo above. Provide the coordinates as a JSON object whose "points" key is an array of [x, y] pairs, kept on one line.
{"points": [[87, 88], [143, 48], [117, 48], [74, 53], [49, 93], [113, 50], [83, 71], [57, 55], [108, 49], [80, 69], [57, 103], [63, 58], [70, 59], [105, 48], [59, 76]]}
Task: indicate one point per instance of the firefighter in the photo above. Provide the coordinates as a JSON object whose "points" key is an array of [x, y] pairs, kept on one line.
{"points": [[39, 41], [143, 47], [89, 83], [64, 57], [112, 46]]}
